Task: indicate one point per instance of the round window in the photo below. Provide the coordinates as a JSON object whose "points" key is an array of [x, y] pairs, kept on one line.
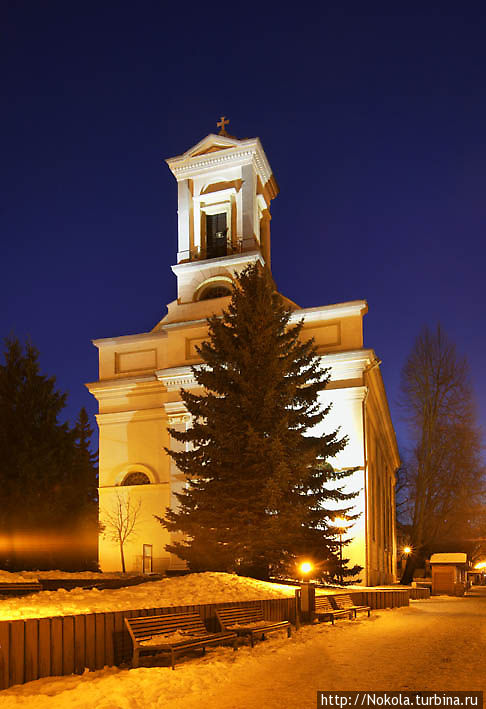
{"points": [[215, 292], [136, 479]]}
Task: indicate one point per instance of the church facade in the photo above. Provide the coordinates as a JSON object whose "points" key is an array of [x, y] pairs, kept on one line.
{"points": [[225, 189]]}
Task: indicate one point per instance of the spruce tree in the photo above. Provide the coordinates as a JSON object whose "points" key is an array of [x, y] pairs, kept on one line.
{"points": [[47, 475], [84, 483], [259, 485], [32, 442], [86, 463]]}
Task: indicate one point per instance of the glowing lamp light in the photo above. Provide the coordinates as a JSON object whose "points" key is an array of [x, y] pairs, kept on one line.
{"points": [[480, 565], [306, 567], [340, 522], [407, 550]]}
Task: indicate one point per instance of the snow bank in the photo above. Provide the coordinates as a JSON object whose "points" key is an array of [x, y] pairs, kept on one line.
{"points": [[193, 589], [16, 577]]}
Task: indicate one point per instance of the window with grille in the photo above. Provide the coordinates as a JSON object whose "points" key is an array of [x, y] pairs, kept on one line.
{"points": [[136, 478]]}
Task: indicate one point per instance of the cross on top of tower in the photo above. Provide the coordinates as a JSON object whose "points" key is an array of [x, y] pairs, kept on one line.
{"points": [[221, 124]]}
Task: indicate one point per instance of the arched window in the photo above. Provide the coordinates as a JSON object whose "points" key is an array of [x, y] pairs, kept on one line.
{"points": [[136, 478], [215, 292]]}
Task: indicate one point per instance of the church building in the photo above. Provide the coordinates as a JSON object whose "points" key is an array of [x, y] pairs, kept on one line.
{"points": [[225, 190]]}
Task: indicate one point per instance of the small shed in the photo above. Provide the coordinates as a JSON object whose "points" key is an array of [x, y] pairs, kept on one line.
{"points": [[449, 573]]}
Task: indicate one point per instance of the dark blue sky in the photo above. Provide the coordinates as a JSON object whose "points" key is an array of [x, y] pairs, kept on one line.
{"points": [[372, 116]]}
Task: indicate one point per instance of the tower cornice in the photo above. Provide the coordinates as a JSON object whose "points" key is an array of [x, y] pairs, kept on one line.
{"points": [[231, 261], [195, 162]]}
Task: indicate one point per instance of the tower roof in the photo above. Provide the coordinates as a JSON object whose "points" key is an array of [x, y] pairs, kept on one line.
{"points": [[218, 151]]}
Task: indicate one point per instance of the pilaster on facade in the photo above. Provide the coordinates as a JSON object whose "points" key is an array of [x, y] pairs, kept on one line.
{"points": [[379, 410]]}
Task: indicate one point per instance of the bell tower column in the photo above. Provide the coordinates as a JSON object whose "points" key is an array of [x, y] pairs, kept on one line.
{"points": [[184, 209], [251, 226]]}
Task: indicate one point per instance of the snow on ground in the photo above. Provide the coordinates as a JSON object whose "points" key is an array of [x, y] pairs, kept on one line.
{"points": [[435, 644], [193, 589], [18, 576]]}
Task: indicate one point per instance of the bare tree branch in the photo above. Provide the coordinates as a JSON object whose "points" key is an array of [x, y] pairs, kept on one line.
{"points": [[120, 521], [445, 475]]}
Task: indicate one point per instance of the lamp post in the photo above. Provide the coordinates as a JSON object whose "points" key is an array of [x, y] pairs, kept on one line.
{"points": [[305, 569], [307, 591], [406, 551]]}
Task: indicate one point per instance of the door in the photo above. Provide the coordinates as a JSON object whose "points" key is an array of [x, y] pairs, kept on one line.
{"points": [[147, 559], [216, 235]]}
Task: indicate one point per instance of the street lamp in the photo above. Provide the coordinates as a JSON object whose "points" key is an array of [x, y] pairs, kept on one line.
{"points": [[307, 591], [305, 568], [406, 551]]}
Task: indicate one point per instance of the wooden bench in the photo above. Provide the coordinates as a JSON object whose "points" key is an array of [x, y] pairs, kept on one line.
{"points": [[249, 621], [345, 603], [324, 609], [182, 631], [19, 589]]}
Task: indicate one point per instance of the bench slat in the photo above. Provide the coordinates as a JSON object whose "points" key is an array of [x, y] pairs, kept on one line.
{"points": [[247, 615], [324, 609], [345, 603], [168, 623]]}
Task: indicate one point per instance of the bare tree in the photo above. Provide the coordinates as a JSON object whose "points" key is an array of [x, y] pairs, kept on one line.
{"points": [[120, 521], [444, 476]]}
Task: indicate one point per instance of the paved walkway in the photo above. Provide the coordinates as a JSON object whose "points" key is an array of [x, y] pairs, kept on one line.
{"points": [[477, 592], [436, 644]]}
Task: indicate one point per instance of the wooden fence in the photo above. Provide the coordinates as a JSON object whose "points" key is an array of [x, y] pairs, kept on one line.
{"points": [[68, 584], [381, 598], [65, 645], [419, 593]]}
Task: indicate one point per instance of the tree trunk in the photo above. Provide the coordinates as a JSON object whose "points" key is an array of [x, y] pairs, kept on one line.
{"points": [[410, 566], [122, 557]]}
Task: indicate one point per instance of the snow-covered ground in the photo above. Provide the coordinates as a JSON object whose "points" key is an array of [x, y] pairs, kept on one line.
{"points": [[19, 576], [193, 589], [437, 644]]}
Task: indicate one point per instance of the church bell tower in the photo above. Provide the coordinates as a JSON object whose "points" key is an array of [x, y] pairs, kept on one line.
{"points": [[225, 187]]}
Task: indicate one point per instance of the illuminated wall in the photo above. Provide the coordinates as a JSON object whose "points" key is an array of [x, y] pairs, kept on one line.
{"points": [[347, 416]]}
